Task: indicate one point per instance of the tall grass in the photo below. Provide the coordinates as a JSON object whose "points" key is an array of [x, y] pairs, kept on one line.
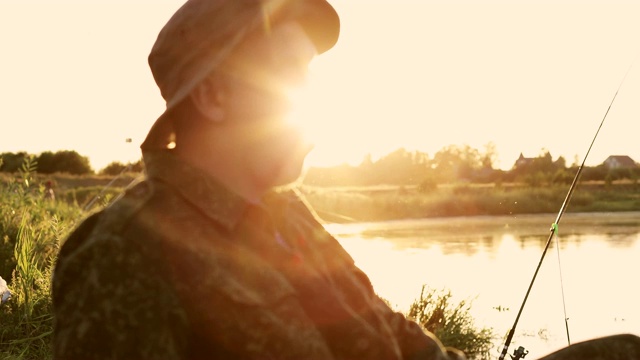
{"points": [[32, 228]]}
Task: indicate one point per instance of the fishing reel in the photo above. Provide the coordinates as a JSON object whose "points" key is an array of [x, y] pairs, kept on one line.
{"points": [[519, 353]]}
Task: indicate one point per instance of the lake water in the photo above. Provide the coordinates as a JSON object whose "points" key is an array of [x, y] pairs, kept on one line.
{"points": [[491, 261]]}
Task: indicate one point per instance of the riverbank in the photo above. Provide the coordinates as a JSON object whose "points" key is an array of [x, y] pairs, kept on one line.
{"points": [[392, 203]]}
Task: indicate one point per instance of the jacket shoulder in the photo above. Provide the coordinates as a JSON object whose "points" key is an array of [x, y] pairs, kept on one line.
{"points": [[119, 214], [114, 218]]}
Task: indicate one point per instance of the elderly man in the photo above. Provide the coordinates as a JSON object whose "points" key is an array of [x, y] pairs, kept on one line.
{"points": [[204, 259]]}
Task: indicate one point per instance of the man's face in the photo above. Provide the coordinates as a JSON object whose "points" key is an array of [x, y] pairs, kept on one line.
{"points": [[259, 79]]}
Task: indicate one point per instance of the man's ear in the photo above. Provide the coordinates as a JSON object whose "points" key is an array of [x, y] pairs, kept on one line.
{"points": [[208, 97]]}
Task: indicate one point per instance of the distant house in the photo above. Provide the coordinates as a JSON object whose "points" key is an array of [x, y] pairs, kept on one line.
{"points": [[522, 161], [620, 162]]}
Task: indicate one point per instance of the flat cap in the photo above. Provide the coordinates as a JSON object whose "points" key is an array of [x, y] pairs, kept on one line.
{"points": [[202, 33]]}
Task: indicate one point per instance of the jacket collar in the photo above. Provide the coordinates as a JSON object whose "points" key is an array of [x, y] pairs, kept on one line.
{"points": [[198, 188]]}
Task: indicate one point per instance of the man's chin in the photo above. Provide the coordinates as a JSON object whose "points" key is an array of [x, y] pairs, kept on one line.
{"points": [[284, 165], [289, 172]]}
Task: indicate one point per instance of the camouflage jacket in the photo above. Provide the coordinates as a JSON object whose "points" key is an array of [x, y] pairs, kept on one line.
{"points": [[181, 268]]}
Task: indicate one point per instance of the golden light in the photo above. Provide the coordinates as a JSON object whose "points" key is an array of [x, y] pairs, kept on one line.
{"points": [[299, 114], [310, 115]]}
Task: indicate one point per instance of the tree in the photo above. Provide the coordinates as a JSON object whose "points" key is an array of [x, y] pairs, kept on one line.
{"points": [[560, 163], [400, 167], [11, 162], [47, 163], [65, 161], [116, 168], [540, 170], [455, 162], [490, 156]]}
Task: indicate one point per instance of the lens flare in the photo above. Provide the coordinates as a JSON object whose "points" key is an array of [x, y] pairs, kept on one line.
{"points": [[301, 115]]}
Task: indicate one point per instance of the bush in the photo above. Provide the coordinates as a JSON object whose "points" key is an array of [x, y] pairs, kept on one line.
{"points": [[450, 323]]}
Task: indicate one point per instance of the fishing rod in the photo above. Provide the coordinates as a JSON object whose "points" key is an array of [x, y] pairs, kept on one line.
{"points": [[521, 352]]}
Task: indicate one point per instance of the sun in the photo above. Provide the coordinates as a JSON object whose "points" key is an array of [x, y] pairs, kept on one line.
{"points": [[326, 121], [308, 117]]}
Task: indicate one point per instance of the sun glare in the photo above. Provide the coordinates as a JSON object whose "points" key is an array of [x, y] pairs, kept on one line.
{"points": [[299, 113], [311, 115]]}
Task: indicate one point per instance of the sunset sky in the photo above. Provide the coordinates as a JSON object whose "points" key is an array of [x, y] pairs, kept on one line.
{"points": [[419, 74]]}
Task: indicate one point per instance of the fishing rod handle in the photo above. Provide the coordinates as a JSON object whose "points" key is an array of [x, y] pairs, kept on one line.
{"points": [[506, 344]]}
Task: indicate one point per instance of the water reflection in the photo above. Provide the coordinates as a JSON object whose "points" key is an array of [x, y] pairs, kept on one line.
{"points": [[492, 260], [481, 233]]}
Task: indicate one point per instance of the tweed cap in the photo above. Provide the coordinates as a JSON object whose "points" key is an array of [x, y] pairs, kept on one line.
{"points": [[203, 33]]}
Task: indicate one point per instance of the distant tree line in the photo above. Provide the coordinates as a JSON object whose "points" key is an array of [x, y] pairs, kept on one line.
{"points": [[451, 164], [460, 164], [65, 161], [116, 168]]}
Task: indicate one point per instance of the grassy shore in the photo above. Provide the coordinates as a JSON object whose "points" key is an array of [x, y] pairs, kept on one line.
{"points": [[392, 203], [32, 228]]}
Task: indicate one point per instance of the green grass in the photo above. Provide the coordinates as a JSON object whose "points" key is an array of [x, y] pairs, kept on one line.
{"points": [[32, 229]]}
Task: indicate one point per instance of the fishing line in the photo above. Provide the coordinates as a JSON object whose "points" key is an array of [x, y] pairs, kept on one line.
{"points": [[102, 191], [564, 304], [554, 226]]}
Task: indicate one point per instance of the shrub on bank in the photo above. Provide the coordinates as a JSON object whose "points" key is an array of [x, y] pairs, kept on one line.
{"points": [[451, 323]]}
